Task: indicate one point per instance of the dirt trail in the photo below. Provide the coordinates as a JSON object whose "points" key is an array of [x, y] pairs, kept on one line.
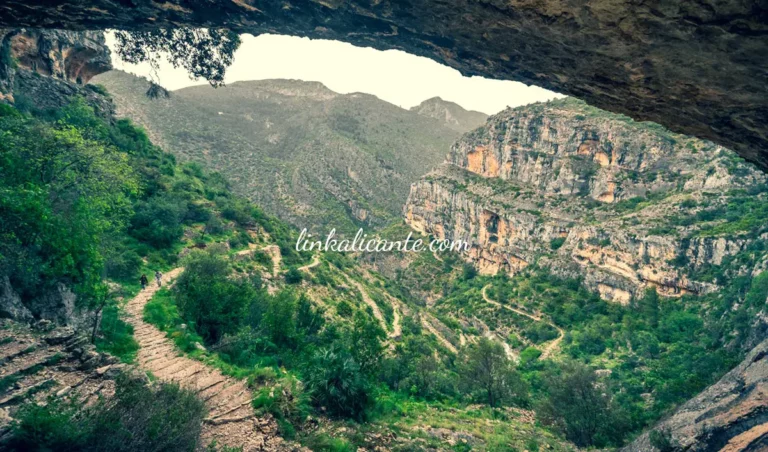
{"points": [[552, 346], [231, 420], [397, 329], [274, 251], [369, 301], [315, 262], [428, 325]]}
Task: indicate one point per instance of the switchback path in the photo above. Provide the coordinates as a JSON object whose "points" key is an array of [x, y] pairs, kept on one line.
{"points": [[315, 262], [396, 327], [440, 338], [552, 345], [231, 420]]}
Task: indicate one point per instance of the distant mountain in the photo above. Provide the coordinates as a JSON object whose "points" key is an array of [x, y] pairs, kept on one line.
{"points": [[451, 114], [312, 156]]}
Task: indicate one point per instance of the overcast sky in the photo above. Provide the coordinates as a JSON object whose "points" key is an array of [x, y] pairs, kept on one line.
{"points": [[397, 77]]}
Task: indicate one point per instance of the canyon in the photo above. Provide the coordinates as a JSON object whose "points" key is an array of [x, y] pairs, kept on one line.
{"points": [[697, 67], [586, 194]]}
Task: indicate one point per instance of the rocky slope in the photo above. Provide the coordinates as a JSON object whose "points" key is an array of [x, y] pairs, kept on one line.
{"points": [[698, 67], [625, 205], [305, 153], [729, 416]]}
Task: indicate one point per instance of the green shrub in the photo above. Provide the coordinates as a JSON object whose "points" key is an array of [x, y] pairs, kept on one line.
{"points": [[336, 384], [293, 276], [322, 442], [138, 417], [116, 336], [556, 243], [286, 400]]}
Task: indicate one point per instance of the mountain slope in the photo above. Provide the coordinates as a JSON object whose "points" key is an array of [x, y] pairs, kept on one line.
{"points": [[310, 155], [451, 114]]}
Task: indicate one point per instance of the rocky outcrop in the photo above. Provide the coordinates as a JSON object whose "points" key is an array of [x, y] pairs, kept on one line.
{"points": [[10, 303], [729, 416], [451, 114], [698, 67], [587, 194], [48, 67]]}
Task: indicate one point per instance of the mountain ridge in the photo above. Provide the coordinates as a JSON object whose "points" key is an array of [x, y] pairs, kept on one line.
{"points": [[316, 158]]}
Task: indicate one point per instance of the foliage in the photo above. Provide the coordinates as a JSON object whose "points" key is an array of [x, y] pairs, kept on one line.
{"points": [[205, 53], [286, 400], [60, 193], [336, 384], [136, 418], [116, 336], [488, 375], [579, 406], [208, 299]]}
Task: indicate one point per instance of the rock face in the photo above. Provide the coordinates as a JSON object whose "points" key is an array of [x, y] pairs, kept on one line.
{"points": [[729, 416], [588, 194], [72, 56], [698, 67], [48, 67]]}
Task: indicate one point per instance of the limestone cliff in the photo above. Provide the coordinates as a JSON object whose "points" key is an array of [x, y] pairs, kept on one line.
{"points": [[47, 67], [588, 194]]}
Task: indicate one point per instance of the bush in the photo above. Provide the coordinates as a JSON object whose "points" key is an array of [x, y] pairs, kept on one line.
{"points": [[124, 265], [158, 221], [336, 384], [555, 244], [207, 298], [286, 400], [293, 276], [136, 418]]}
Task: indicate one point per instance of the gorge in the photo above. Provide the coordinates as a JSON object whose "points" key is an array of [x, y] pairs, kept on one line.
{"points": [[611, 253]]}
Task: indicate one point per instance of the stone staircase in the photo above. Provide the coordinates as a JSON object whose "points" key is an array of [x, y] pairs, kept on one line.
{"points": [[231, 420]]}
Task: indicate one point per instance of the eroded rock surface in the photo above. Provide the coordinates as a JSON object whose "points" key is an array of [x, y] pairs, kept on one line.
{"points": [[47, 68], [587, 194], [698, 67], [731, 415]]}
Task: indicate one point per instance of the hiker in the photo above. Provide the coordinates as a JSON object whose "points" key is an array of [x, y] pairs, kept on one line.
{"points": [[144, 281], [158, 278]]}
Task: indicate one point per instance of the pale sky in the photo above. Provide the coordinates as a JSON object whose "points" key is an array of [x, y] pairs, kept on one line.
{"points": [[395, 76]]}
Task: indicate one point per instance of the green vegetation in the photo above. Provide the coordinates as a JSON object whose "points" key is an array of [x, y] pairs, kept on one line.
{"points": [[136, 418]]}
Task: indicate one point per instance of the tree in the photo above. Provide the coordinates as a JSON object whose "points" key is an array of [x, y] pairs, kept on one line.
{"points": [[581, 407], [468, 271], [649, 307], [308, 319], [208, 298], [279, 319], [486, 371], [293, 276], [204, 53], [60, 194], [365, 343]]}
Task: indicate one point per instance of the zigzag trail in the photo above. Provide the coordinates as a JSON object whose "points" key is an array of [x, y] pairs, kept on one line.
{"points": [[231, 419], [553, 345]]}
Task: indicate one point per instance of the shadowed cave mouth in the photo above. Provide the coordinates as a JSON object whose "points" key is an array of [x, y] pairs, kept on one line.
{"points": [[587, 338]]}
